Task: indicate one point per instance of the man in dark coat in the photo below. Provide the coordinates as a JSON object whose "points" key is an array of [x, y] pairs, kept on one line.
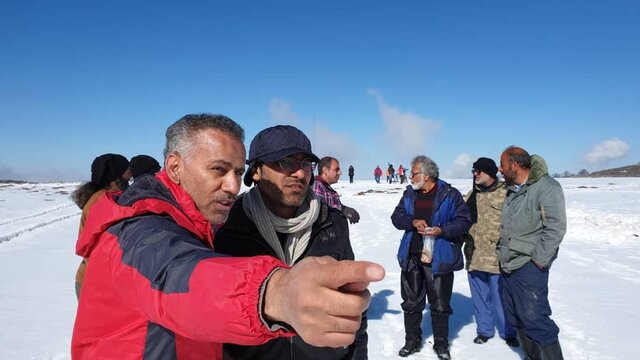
{"points": [[281, 216]]}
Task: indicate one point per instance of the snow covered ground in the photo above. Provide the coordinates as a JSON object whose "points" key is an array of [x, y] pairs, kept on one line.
{"points": [[593, 283]]}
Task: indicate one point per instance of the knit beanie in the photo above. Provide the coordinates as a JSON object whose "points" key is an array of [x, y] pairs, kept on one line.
{"points": [[143, 164], [108, 167], [487, 166]]}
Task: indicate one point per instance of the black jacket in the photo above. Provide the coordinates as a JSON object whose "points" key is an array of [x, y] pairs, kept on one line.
{"points": [[329, 236]]}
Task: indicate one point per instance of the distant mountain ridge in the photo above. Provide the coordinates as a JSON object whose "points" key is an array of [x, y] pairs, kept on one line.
{"points": [[625, 171]]}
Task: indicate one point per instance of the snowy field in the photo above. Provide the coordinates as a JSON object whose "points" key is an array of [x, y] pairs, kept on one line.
{"points": [[593, 284]]}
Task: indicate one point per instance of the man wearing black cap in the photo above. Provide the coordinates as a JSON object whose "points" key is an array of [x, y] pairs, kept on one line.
{"points": [[143, 165], [485, 204], [109, 173], [157, 290], [281, 216]]}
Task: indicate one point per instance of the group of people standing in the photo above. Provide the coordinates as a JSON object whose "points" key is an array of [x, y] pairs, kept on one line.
{"points": [[177, 265], [109, 173], [159, 282], [393, 175], [511, 231]]}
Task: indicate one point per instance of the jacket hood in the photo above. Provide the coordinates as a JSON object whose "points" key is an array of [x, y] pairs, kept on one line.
{"points": [[538, 169], [149, 195]]}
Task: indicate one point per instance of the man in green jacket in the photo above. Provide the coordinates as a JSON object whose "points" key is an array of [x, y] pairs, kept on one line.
{"points": [[534, 222]]}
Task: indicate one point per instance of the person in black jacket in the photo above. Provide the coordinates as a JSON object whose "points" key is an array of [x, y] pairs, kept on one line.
{"points": [[351, 173], [281, 216]]}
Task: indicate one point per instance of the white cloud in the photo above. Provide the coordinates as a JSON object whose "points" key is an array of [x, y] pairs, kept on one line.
{"points": [[324, 141], [460, 168], [606, 151], [406, 133], [338, 145], [281, 112]]}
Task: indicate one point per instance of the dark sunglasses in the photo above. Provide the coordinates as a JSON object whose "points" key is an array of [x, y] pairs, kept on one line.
{"points": [[476, 171], [291, 164]]}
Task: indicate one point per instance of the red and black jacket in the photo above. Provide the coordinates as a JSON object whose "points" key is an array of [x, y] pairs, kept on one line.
{"points": [[154, 288]]}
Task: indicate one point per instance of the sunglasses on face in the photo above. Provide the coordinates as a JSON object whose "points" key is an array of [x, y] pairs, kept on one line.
{"points": [[290, 164], [476, 171]]}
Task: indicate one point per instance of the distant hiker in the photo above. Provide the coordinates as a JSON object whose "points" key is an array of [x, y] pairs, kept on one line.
{"points": [[143, 165], [155, 289], [328, 174], [534, 222], [351, 173], [484, 201], [281, 216], [109, 173], [401, 174], [390, 173], [429, 207], [377, 173]]}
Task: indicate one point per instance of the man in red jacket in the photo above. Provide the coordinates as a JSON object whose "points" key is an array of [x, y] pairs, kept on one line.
{"points": [[157, 290]]}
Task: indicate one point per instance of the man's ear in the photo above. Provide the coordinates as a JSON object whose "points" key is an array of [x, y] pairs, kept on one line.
{"points": [[173, 166], [257, 174]]}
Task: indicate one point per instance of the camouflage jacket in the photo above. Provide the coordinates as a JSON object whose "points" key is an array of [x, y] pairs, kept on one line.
{"points": [[481, 243]]}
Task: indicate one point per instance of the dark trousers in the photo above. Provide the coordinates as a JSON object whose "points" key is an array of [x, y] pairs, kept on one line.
{"points": [[419, 285], [351, 179], [525, 299]]}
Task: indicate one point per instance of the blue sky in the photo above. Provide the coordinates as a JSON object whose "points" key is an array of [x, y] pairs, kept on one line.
{"points": [[370, 82]]}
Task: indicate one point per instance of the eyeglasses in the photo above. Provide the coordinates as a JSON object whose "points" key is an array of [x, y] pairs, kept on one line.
{"points": [[415, 173], [292, 164], [476, 171]]}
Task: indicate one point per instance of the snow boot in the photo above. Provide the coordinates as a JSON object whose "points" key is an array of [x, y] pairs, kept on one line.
{"points": [[443, 354], [481, 339], [552, 352], [512, 341], [442, 350], [409, 348], [531, 349]]}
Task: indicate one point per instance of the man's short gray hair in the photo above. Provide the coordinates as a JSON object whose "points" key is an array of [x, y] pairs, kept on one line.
{"points": [[427, 166], [179, 136]]}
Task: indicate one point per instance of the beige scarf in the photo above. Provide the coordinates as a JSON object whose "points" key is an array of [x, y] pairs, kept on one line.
{"points": [[298, 227]]}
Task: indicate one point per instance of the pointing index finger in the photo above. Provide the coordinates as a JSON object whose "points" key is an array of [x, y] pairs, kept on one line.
{"points": [[352, 272]]}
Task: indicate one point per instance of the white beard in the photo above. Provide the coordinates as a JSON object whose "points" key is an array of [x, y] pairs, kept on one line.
{"points": [[417, 186]]}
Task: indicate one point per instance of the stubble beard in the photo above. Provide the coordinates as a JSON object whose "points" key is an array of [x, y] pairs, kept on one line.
{"points": [[277, 196], [509, 178]]}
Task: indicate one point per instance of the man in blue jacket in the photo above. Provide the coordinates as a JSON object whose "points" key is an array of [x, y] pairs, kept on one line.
{"points": [[432, 207]]}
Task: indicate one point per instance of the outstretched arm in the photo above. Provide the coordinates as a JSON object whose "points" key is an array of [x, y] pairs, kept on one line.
{"points": [[322, 298]]}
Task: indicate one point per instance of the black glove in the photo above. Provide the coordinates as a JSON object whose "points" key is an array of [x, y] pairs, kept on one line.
{"points": [[351, 214]]}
